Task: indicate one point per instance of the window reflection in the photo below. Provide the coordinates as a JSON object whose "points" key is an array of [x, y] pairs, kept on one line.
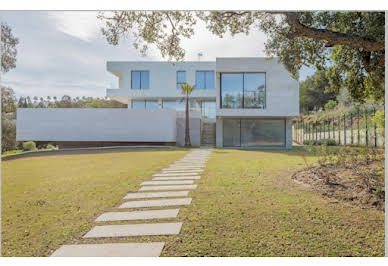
{"points": [[140, 79], [204, 80], [243, 90]]}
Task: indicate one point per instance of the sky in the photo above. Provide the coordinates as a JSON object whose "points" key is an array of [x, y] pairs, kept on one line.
{"points": [[65, 53]]}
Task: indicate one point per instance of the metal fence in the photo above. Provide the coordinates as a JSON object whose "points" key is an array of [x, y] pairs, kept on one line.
{"points": [[354, 128]]}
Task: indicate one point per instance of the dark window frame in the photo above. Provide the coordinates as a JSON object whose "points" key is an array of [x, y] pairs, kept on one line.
{"points": [[243, 80], [140, 86]]}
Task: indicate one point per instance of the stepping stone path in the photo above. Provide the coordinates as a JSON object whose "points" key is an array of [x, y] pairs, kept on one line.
{"points": [[176, 178], [166, 189], [155, 203], [183, 182], [177, 187], [137, 215]]}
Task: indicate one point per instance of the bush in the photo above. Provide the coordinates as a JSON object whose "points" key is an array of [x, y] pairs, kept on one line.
{"points": [[51, 147], [29, 146], [330, 105], [379, 119], [328, 142]]}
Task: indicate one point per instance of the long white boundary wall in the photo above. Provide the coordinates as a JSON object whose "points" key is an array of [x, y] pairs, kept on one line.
{"points": [[96, 124]]}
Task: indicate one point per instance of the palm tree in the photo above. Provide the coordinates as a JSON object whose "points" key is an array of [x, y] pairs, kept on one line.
{"points": [[187, 90]]}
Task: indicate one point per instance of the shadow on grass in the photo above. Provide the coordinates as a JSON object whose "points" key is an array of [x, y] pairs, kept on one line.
{"points": [[91, 151], [295, 151]]}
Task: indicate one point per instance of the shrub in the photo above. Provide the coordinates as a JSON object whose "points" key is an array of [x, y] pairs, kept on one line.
{"points": [[29, 146], [51, 147], [379, 119], [328, 142], [330, 105]]}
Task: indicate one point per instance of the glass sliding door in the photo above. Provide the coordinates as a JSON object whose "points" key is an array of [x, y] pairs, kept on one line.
{"points": [[136, 104], [231, 132], [262, 132], [232, 90], [152, 105], [254, 132]]}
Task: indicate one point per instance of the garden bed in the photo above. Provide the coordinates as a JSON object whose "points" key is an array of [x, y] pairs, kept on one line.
{"points": [[362, 186]]}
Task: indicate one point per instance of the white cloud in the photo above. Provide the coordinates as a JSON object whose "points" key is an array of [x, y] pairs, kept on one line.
{"points": [[64, 53], [83, 25], [211, 46]]}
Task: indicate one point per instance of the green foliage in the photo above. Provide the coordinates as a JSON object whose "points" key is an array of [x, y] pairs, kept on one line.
{"points": [[327, 142], [8, 100], [330, 105], [8, 133], [348, 46], [313, 92], [379, 119], [68, 102], [51, 147], [164, 29], [349, 66], [8, 48], [29, 146]]}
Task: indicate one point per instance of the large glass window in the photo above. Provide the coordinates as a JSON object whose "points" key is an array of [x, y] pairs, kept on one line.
{"points": [[180, 79], [140, 79], [181, 105], [243, 90], [232, 90], [209, 109], [152, 105], [139, 104], [254, 132], [254, 90], [231, 132], [262, 132], [204, 80]]}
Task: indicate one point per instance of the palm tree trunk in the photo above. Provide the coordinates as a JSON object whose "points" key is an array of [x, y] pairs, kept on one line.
{"points": [[187, 129]]}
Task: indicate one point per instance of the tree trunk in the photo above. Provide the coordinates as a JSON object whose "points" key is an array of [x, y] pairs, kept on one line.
{"points": [[187, 128]]}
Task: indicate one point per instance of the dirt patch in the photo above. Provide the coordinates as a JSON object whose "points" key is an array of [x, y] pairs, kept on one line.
{"points": [[363, 187]]}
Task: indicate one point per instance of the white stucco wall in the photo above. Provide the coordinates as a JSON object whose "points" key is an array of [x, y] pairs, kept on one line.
{"points": [[100, 124], [162, 79], [194, 126], [282, 91]]}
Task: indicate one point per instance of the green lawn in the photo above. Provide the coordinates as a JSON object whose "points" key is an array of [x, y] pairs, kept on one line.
{"points": [[246, 204], [50, 200]]}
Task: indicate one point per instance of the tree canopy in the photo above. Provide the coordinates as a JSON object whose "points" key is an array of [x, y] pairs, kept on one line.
{"points": [[349, 46], [314, 92], [8, 48]]}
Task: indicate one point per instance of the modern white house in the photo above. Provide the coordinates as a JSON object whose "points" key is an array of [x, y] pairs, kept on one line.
{"points": [[237, 102]]}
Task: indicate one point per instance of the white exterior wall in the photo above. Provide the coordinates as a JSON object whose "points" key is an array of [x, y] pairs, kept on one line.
{"points": [[282, 91], [99, 124], [162, 80]]}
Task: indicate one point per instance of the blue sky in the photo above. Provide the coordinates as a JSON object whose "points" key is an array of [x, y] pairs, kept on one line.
{"points": [[65, 53]]}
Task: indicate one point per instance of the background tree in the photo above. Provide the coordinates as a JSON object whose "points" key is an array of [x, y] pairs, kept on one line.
{"points": [[315, 92], [186, 91], [8, 48], [348, 45], [8, 100], [8, 119]]}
